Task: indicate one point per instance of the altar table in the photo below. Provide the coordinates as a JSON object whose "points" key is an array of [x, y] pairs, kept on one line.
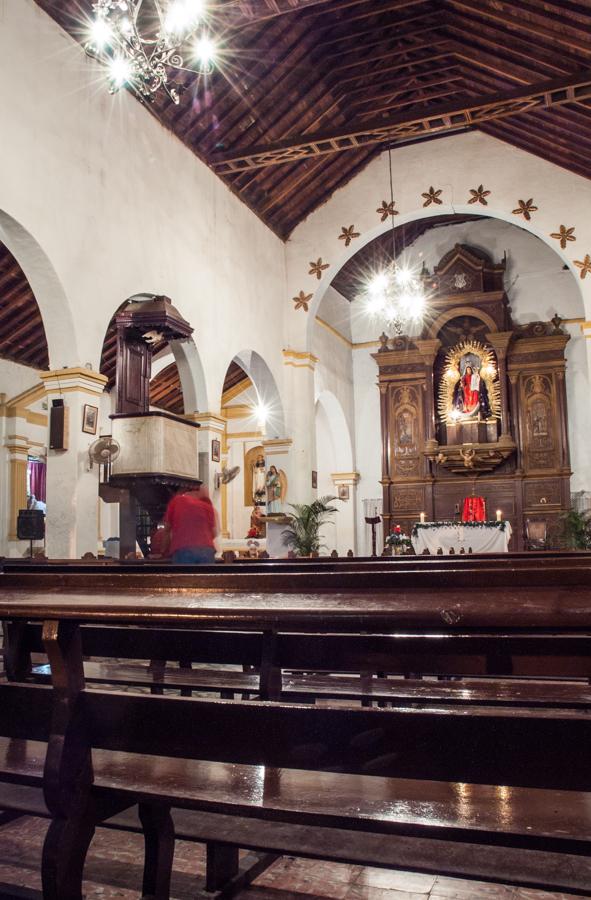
{"points": [[482, 537]]}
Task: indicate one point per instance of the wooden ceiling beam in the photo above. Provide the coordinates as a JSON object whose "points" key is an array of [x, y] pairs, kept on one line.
{"points": [[541, 60], [504, 14], [372, 11], [394, 51], [410, 85], [415, 99], [412, 126], [502, 131], [242, 13], [360, 34], [429, 58]]}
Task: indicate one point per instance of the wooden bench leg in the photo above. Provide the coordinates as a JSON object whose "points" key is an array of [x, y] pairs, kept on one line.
{"points": [[222, 865], [158, 829], [64, 853]]}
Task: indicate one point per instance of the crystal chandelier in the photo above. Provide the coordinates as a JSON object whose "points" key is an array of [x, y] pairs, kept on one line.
{"points": [[396, 294], [139, 51]]}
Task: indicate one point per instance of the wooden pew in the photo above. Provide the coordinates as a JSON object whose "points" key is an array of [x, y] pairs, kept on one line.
{"points": [[343, 666], [374, 589], [461, 792]]}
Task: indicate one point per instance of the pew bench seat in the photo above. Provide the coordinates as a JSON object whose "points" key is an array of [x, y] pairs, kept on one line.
{"points": [[301, 686], [427, 826]]}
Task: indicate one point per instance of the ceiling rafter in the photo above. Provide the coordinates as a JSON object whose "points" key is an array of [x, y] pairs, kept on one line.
{"points": [[504, 13], [446, 119]]}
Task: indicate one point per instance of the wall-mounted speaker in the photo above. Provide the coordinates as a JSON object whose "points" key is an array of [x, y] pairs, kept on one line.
{"points": [[30, 525], [59, 421]]}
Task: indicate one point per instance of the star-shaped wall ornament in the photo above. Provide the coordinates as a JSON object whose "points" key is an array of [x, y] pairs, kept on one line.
{"points": [[387, 209], [525, 208], [432, 196], [302, 300], [348, 234], [563, 235], [317, 268], [479, 195], [584, 265]]}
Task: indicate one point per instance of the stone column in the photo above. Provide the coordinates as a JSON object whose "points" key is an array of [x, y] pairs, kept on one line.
{"points": [[301, 425], [213, 428], [277, 453], [499, 341], [18, 450], [345, 483], [72, 487]]}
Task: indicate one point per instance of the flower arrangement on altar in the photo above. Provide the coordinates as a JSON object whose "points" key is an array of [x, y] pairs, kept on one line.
{"points": [[398, 540], [501, 525]]}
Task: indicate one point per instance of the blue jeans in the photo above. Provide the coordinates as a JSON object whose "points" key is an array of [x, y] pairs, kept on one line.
{"points": [[194, 555]]}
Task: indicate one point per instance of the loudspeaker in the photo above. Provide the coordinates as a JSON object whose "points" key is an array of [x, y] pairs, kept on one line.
{"points": [[30, 525], [59, 420]]}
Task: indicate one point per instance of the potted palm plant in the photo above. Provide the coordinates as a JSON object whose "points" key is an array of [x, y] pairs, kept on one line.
{"points": [[303, 532]]}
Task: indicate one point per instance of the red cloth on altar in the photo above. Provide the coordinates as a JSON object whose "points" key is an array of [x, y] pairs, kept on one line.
{"points": [[474, 509]]}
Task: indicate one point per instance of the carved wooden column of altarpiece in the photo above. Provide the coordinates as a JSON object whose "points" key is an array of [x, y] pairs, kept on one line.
{"points": [[516, 456]]}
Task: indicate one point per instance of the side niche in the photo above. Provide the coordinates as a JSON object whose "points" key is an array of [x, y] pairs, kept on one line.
{"points": [[406, 436], [540, 437]]}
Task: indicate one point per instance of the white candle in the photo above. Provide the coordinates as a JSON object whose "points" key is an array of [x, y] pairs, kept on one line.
{"points": [[499, 515], [422, 518]]}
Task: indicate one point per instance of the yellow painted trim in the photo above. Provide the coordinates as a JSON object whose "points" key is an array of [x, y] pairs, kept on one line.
{"points": [[349, 476], [335, 332], [240, 411], [73, 389], [74, 372], [32, 418], [29, 396], [294, 365], [235, 391], [299, 354], [18, 493], [362, 344], [243, 435]]}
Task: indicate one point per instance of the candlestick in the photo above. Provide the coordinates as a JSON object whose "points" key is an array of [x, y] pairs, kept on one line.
{"points": [[422, 518], [499, 515]]}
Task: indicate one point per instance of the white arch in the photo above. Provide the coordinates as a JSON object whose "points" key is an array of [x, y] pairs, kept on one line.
{"points": [[456, 166], [417, 215], [266, 388], [339, 429], [58, 323], [191, 375]]}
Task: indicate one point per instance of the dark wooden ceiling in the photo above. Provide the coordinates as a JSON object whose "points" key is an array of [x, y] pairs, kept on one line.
{"points": [[22, 336], [294, 70], [357, 271], [166, 391]]}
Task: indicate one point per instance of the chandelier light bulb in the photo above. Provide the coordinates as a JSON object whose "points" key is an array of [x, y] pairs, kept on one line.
{"points": [[183, 15], [378, 285], [120, 71], [205, 53], [101, 33]]}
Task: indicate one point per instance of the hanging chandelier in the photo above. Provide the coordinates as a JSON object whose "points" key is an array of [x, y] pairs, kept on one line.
{"points": [[396, 294], [140, 46]]}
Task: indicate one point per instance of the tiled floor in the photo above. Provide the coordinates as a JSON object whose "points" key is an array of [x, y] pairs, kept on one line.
{"points": [[113, 870]]}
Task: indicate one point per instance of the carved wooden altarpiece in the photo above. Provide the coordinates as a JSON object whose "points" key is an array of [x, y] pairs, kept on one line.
{"points": [[474, 404]]}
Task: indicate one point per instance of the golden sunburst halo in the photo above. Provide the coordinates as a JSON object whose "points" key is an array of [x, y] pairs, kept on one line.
{"points": [[451, 374]]}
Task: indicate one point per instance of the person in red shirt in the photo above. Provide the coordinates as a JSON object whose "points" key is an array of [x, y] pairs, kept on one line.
{"points": [[192, 523]]}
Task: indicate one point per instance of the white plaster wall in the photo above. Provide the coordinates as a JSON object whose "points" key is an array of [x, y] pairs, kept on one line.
{"points": [[455, 165], [119, 205], [334, 371], [14, 378]]}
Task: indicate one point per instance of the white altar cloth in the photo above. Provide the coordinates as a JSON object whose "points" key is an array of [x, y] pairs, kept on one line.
{"points": [[490, 537]]}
